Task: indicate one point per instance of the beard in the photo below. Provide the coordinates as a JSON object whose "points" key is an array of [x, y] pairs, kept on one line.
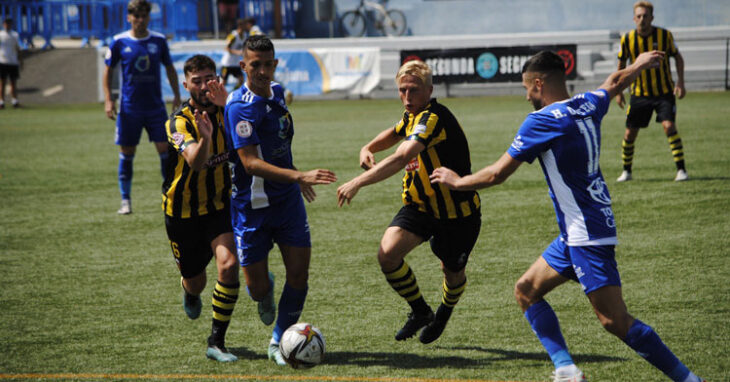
{"points": [[536, 104], [201, 100]]}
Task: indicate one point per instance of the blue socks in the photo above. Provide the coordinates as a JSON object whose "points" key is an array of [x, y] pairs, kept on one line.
{"points": [[291, 304], [163, 163], [125, 175], [545, 324], [646, 343]]}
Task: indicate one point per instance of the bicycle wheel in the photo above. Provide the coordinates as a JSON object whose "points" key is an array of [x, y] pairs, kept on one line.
{"points": [[353, 24], [395, 23]]}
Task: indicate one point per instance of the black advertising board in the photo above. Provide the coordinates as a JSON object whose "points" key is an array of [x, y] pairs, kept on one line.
{"points": [[479, 65]]}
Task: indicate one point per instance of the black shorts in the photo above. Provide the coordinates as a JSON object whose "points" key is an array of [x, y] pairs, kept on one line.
{"points": [[640, 109], [12, 71], [234, 71], [190, 239], [451, 240]]}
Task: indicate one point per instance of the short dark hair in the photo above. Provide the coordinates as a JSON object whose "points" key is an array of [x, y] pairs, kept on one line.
{"points": [[249, 20], [136, 6], [197, 63], [545, 62], [259, 43], [8, 21]]}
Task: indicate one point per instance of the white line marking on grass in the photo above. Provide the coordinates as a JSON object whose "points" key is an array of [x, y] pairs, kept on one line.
{"points": [[52, 90]]}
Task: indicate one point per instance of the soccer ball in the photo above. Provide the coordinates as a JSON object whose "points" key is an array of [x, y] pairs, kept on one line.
{"points": [[302, 346]]}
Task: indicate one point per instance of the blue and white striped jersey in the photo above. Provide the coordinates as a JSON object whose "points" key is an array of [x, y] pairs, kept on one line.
{"points": [[566, 137], [265, 122]]}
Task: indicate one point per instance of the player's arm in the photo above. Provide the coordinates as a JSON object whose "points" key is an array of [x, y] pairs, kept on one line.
{"points": [[109, 108], [620, 96], [679, 90], [256, 166], [196, 154], [232, 51], [385, 140], [621, 79], [491, 175], [383, 170], [174, 85]]}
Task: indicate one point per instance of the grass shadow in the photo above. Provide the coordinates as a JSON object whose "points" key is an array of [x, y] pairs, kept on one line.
{"points": [[508, 355], [401, 360]]}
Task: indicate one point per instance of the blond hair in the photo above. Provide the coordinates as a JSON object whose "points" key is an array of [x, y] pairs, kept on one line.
{"points": [[646, 5], [416, 68]]}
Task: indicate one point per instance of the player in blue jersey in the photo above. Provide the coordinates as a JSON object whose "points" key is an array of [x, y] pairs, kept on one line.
{"points": [[564, 134], [140, 52], [266, 202]]}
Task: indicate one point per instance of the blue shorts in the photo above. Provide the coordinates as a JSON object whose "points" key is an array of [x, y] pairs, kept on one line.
{"points": [[593, 267], [257, 230], [130, 125]]}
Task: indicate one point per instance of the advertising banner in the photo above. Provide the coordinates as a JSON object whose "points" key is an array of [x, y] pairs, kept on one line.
{"points": [[304, 72], [480, 65]]}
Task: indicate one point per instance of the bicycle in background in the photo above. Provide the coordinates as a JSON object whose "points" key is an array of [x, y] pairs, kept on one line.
{"points": [[390, 22]]}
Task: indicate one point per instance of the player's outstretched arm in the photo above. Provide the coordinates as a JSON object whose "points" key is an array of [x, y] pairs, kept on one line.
{"points": [[383, 170], [621, 79], [491, 175], [385, 140], [258, 167]]}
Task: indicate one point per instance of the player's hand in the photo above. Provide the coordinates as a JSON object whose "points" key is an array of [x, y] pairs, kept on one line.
{"points": [[679, 90], [650, 60], [620, 100], [176, 102], [110, 109], [367, 159], [308, 192], [444, 176], [205, 126], [318, 176], [346, 192], [216, 93]]}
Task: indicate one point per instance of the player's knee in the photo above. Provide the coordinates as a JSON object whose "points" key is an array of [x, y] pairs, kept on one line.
{"points": [[228, 270], [524, 293], [388, 262], [298, 280], [617, 325]]}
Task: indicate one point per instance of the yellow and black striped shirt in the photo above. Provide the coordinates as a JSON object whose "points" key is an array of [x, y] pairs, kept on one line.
{"points": [[446, 146], [651, 82], [187, 193]]}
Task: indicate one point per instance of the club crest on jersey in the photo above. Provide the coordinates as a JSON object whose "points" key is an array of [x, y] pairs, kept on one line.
{"points": [[152, 48], [599, 191], [178, 138], [244, 129], [142, 63], [413, 165]]}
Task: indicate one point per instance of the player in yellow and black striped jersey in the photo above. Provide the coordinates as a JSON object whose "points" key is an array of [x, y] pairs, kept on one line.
{"points": [[196, 200], [654, 90], [450, 220]]}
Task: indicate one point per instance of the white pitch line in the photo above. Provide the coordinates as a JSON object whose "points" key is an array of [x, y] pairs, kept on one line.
{"points": [[52, 90]]}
